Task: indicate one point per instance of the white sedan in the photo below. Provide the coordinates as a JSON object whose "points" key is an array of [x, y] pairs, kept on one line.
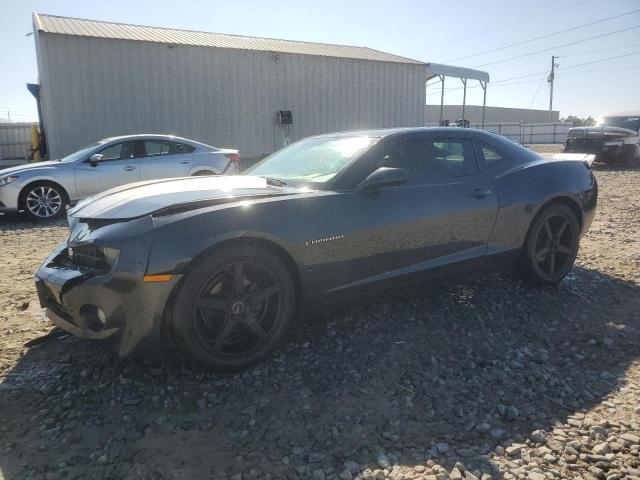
{"points": [[43, 189]]}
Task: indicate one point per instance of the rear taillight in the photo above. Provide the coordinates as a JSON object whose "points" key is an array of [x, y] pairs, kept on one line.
{"points": [[234, 157]]}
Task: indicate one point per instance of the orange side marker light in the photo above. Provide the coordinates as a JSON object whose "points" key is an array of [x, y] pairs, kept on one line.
{"points": [[157, 278]]}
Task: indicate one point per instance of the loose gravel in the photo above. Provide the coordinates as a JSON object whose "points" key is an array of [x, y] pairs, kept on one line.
{"points": [[479, 378]]}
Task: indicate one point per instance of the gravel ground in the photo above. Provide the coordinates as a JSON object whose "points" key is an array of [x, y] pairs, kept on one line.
{"points": [[487, 378]]}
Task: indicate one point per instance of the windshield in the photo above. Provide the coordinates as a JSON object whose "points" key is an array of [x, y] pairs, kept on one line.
{"points": [[312, 160], [80, 153], [631, 123]]}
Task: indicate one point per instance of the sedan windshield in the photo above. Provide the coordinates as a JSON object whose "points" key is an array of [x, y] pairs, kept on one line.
{"points": [[312, 160], [80, 153]]}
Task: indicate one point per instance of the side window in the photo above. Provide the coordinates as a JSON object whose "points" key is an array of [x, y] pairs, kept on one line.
{"points": [[434, 159], [490, 155], [415, 158], [119, 151], [456, 155], [182, 148], [153, 148]]}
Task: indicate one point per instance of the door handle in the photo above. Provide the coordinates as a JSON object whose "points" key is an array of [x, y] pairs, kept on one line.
{"points": [[184, 162], [480, 193], [129, 168]]}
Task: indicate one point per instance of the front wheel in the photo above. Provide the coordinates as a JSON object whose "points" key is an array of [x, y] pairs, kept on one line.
{"points": [[551, 246], [234, 308], [43, 201]]}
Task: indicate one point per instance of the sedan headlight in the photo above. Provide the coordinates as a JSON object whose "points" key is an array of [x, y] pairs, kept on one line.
{"points": [[8, 179]]}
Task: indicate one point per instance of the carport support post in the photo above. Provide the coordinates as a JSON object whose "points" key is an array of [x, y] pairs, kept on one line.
{"points": [[484, 99], [464, 98], [441, 96]]}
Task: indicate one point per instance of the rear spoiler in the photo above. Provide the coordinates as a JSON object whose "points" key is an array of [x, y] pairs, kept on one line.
{"points": [[586, 158]]}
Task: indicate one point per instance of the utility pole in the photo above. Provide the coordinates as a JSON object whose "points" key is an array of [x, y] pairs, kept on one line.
{"points": [[550, 79]]}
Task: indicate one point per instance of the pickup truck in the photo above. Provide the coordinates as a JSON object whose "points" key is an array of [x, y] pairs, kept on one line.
{"points": [[616, 139]]}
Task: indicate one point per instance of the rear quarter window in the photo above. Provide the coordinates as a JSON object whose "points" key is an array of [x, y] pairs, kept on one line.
{"points": [[490, 155]]}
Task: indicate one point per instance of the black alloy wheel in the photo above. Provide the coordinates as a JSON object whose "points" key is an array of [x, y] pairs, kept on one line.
{"points": [[234, 308], [551, 245]]}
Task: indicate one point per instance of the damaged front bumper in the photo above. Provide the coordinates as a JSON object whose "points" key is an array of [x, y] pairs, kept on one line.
{"points": [[108, 303]]}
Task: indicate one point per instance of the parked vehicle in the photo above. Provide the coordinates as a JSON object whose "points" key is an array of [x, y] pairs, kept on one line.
{"points": [[44, 189], [616, 139], [221, 265]]}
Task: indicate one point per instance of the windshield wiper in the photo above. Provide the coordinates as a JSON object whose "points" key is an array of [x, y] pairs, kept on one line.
{"points": [[276, 182]]}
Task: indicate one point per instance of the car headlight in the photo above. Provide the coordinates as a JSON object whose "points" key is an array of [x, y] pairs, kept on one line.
{"points": [[8, 179], [110, 255], [93, 257]]}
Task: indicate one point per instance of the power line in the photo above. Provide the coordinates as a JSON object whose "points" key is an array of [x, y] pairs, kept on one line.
{"points": [[501, 26], [602, 70], [496, 82], [492, 85], [601, 60], [544, 36], [600, 50], [558, 46], [536, 93], [500, 83]]}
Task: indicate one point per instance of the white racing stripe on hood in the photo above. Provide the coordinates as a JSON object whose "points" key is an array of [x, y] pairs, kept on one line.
{"points": [[142, 198]]}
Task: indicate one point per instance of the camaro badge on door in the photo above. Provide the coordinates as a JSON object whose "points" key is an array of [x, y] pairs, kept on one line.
{"points": [[310, 243]]}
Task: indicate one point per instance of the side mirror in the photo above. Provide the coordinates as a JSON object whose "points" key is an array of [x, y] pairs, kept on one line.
{"points": [[384, 177], [95, 159]]}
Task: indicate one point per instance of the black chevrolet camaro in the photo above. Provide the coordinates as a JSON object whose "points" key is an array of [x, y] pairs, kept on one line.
{"points": [[221, 265]]}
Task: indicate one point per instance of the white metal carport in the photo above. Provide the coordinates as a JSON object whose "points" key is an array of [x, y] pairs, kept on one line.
{"points": [[441, 71]]}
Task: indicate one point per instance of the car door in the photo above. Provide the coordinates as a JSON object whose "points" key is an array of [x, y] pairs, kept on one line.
{"points": [[118, 166], [164, 159], [439, 221]]}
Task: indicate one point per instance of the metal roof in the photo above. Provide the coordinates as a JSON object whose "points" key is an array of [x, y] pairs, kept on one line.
{"points": [[99, 29], [435, 69]]}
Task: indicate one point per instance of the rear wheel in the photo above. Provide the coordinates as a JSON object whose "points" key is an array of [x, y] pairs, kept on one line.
{"points": [[234, 308], [551, 245], [43, 200]]}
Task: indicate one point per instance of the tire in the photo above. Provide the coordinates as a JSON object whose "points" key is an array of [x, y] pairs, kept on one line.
{"points": [[551, 246], [43, 200], [234, 308], [203, 173]]}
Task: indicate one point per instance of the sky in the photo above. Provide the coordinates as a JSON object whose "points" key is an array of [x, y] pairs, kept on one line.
{"points": [[458, 33]]}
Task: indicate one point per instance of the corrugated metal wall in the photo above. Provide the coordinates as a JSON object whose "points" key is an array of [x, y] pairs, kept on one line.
{"points": [[15, 140], [94, 88]]}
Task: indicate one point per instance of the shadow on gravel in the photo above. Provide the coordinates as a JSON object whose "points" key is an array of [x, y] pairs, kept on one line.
{"points": [[440, 373], [616, 167], [20, 221]]}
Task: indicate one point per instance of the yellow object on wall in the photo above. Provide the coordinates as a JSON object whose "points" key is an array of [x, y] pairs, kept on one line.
{"points": [[35, 142]]}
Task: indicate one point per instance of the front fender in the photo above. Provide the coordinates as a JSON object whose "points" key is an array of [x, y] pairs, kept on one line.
{"points": [[65, 180]]}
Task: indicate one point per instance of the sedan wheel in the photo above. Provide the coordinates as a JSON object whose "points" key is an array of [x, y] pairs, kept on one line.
{"points": [[44, 201], [551, 245], [234, 308]]}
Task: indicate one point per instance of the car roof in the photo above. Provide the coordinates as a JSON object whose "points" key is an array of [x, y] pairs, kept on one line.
{"points": [[156, 136], [387, 132]]}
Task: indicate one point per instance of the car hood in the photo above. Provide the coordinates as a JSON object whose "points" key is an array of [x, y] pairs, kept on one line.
{"points": [[29, 167], [579, 132], [174, 195]]}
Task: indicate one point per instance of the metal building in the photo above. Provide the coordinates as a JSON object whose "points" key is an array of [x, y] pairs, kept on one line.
{"points": [[473, 113], [100, 79]]}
